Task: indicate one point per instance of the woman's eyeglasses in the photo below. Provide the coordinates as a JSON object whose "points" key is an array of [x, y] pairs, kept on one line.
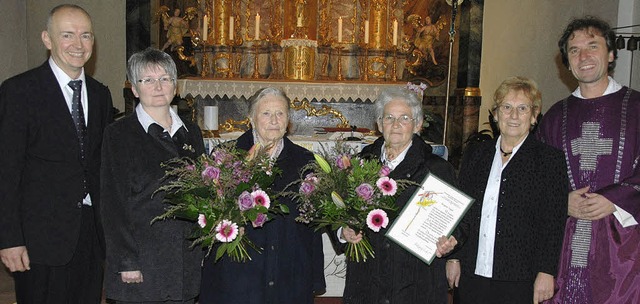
{"points": [[402, 120], [152, 81], [507, 109]]}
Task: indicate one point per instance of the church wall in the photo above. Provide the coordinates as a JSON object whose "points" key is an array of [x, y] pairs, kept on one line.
{"points": [[108, 62], [530, 49]]}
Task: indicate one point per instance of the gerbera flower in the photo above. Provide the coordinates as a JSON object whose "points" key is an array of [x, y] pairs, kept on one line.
{"points": [[261, 198], [202, 220], [377, 219], [387, 185], [226, 231]]}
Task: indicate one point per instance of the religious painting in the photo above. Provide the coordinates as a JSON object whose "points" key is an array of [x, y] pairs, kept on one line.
{"points": [[426, 40]]}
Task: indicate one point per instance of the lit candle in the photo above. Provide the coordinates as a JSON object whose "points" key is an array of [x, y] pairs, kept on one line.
{"points": [[366, 31], [395, 32], [340, 29], [205, 27], [256, 35], [231, 20], [211, 118]]}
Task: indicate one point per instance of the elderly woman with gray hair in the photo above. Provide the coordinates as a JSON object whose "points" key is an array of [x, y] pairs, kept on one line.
{"points": [[395, 275], [290, 268], [147, 263]]}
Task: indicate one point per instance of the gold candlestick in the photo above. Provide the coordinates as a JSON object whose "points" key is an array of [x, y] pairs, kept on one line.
{"points": [[365, 76], [205, 63], [256, 73], [230, 73], [393, 67], [339, 76]]}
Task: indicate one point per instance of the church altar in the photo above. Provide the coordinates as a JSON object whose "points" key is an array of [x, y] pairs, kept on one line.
{"points": [[319, 90], [315, 104]]}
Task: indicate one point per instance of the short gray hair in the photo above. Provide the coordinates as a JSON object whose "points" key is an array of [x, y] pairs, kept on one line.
{"points": [[150, 58], [260, 94], [399, 93]]}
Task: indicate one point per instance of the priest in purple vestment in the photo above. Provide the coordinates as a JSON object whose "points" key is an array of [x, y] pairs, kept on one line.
{"points": [[597, 128]]}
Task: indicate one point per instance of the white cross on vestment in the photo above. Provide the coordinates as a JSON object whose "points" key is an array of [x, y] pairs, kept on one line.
{"points": [[590, 146]]}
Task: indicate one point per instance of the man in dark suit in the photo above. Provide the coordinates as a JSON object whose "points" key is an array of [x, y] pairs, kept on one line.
{"points": [[51, 129]]}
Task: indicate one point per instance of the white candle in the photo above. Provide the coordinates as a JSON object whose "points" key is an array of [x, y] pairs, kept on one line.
{"points": [[256, 35], [366, 31], [231, 20], [340, 29], [211, 118], [299, 22], [205, 27], [395, 32]]}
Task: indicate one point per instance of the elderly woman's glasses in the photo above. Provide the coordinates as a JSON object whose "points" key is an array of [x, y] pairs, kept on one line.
{"points": [[507, 109], [390, 120], [164, 80]]}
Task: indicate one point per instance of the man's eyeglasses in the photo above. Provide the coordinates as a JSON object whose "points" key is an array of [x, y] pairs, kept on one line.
{"points": [[152, 81], [507, 109], [390, 120]]}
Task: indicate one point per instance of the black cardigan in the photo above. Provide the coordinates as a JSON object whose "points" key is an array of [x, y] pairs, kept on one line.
{"points": [[131, 173], [532, 209], [289, 270], [395, 275]]}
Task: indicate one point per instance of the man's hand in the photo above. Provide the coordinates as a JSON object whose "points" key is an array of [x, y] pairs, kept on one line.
{"points": [[576, 198], [131, 276], [15, 258], [542, 287], [589, 206], [596, 207]]}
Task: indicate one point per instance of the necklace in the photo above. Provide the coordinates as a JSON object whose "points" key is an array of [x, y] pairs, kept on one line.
{"points": [[505, 154]]}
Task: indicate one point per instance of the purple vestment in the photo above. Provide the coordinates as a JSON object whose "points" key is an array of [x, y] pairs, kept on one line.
{"points": [[601, 141]]}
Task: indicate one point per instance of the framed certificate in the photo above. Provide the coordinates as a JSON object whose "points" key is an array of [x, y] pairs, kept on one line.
{"points": [[434, 210]]}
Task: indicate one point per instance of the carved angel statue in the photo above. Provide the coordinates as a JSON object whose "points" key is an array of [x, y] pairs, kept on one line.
{"points": [[423, 38], [176, 27]]}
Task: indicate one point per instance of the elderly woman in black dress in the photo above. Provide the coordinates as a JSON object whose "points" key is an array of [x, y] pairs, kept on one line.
{"points": [[517, 220], [395, 275], [147, 263], [290, 268]]}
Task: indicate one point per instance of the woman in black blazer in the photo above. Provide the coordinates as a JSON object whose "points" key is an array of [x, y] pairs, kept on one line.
{"points": [[147, 263], [517, 220]]}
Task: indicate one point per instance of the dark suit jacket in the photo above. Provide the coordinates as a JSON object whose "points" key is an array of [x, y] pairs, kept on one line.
{"points": [[290, 267], [395, 275], [131, 173], [532, 209], [41, 174]]}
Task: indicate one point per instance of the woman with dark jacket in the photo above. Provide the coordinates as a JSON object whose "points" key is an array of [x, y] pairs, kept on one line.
{"points": [[147, 263], [395, 275], [290, 268], [517, 220]]}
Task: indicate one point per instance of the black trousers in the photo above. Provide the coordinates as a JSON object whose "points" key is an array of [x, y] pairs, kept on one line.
{"points": [[79, 281], [476, 289]]}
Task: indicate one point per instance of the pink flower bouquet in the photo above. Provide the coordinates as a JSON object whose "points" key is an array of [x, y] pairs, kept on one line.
{"points": [[347, 191], [220, 193]]}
